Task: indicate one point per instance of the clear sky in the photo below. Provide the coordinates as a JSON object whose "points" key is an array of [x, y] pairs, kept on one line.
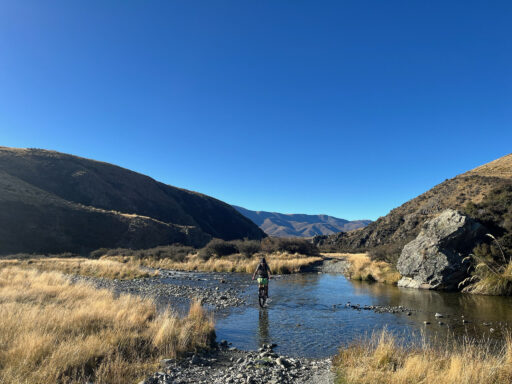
{"points": [[348, 108]]}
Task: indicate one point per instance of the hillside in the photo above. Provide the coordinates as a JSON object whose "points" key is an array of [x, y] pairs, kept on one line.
{"points": [[299, 225], [386, 236], [54, 202]]}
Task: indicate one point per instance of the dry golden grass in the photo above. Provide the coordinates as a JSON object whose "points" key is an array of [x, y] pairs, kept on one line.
{"points": [[52, 331], [489, 282], [362, 267], [279, 263], [109, 269], [501, 167], [382, 360]]}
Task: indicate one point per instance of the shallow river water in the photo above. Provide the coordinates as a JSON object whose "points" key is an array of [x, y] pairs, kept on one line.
{"points": [[308, 314]]}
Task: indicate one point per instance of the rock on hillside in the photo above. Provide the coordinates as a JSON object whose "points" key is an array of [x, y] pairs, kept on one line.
{"points": [[387, 236], [299, 225], [54, 202], [434, 260]]}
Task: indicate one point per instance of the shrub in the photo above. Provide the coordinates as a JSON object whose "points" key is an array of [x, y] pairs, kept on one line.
{"points": [[492, 269], [495, 212], [248, 248], [218, 248], [98, 253], [290, 245], [174, 252], [388, 252]]}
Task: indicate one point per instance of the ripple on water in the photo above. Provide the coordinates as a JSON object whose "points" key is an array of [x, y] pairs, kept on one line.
{"points": [[307, 314]]}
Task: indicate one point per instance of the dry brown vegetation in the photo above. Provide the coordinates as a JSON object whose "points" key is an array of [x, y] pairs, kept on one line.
{"points": [[279, 263], [382, 359], [52, 331], [386, 237], [109, 269], [362, 267], [486, 280]]}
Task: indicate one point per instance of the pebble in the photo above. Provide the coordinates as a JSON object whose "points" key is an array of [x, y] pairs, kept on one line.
{"points": [[168, 292], [225, 366]]}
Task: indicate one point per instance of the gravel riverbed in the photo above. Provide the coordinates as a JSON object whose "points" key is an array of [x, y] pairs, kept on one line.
{"points": [[178, 289], [229, 365], [223, 364]]}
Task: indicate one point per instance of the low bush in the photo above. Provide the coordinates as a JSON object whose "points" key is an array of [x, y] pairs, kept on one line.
{"points": [[218, 248], [174, 252], [492, 268], [388, 252], [289, 245], [248, 248]]}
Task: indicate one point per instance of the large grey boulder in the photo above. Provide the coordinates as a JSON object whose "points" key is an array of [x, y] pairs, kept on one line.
{"points": [[434, 260]]}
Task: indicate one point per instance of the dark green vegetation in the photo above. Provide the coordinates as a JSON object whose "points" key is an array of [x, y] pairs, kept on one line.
{"points": [[52, 202], [216, 248], [481, 192], [175, 252], [248, 248], [492, 259], [495, 212], [299, 225]]}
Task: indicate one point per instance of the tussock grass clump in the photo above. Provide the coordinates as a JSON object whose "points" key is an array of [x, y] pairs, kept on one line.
{"points": [[289, 245], [362, 267], [279, 263], [490, 275], [109, 269], [52, 331], [383, 359], [175, 252]]}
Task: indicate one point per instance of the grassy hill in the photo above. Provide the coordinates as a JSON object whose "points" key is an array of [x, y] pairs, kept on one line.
{"points": [[54, 202], [299, 225], [485, 193]]}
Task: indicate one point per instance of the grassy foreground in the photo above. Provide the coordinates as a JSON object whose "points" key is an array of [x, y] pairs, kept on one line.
{"points": [[279, 262], [109, 269], [362, 267], [52, 331], [382, 360]]}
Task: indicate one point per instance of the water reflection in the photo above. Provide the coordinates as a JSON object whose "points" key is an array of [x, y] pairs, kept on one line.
{"points": [[308, 320], [263, 333]]}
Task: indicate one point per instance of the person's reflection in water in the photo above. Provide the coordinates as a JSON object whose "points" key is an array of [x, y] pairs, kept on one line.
{"points": [[263, 334]]}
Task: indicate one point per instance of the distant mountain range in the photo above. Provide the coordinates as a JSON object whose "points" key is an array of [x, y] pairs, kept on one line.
{"points": [[299, 225], [51, 202]]}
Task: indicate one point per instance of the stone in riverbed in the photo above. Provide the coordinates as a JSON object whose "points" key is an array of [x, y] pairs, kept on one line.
{"points": [[283, 362], [434, 260], [164, 363]]}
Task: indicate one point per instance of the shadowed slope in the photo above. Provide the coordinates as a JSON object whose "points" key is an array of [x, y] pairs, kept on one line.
{"points": [[53, 202]]}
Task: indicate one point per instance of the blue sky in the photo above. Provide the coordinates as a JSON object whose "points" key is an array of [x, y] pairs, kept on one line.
{"points": [[348, 108]]}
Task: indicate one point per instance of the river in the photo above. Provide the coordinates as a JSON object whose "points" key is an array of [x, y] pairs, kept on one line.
{"points": [[308, 314]]}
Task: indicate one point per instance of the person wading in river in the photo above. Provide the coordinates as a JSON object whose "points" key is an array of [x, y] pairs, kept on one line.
{"points": [[263, 272]]}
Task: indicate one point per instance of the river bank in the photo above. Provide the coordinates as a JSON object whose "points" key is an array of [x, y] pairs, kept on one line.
{"points": [[309, 316], [227, 364]]}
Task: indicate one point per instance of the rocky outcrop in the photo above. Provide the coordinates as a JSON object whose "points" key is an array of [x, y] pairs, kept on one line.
{"points": [[434, 260], [387, 236]]}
